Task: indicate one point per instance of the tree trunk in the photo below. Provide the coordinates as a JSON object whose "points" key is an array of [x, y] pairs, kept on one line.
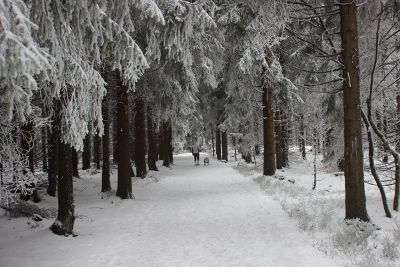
{"points": [[44, 148], [170, 146], [152, 153], [165, 144], [398, 123], [124, 188], [218, 143], [212, 140], [75, 162], [224, 143], [302, 138], [105, 173], [140, 137], [285, 140], [161, 143], [373, 169], [66, 217], [278, 141], [269, 136], [115, 139], [234, 146], [53, 156], [64, 223], [354, 172], [86, 154], [97, 151]]}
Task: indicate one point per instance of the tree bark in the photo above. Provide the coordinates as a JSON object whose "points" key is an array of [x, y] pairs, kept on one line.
{"points": [[44, 148], [170, 146], [224, 143], [64, 223], [373, 169], [105, 173], [152, 153], [53, 156], [86, 154], [212, 140], [115, 139], [218, 143], [165, 144], [124, 187], [161, 143], [285, 140], [354, 172], [398, 123], [75, 162], [302, 138], [268, 133], [140, 137], [278, 141], [97, 151]]}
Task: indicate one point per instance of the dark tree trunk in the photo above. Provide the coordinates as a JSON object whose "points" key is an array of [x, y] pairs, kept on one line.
{"points": [[234, 146], [269, 136], [75, 162], [354, 172], [105, 174], [124, 188], [44, 148], [302, 138], [115, 139], [97, 150], [373, 169], [161, 143], [86, 154], [140, 137], [27, 144], [278, 141], [165, 144], [398, 123], [285, 140], [152, 153], [64, 224], [53, 157], [218, 143], [212, 140], [224, 144], [170, 146]]}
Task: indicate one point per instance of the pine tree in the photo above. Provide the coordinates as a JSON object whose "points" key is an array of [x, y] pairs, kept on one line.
{"points": [[105, 173], [218, 143], [140, 136], [354, 172]]}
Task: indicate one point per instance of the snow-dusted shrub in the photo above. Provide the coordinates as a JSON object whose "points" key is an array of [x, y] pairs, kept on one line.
{"points": [[14, 174], [352, 235], [389, 248], [312, 210]]}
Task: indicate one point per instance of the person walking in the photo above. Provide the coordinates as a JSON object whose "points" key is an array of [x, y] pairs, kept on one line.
{"points": [[196, 154]]}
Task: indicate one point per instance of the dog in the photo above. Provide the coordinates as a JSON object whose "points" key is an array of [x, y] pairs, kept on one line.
{"points": [[206, 161]]}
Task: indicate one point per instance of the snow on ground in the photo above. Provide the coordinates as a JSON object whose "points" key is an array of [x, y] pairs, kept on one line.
{"points": [[185, 216], [321, 212]]}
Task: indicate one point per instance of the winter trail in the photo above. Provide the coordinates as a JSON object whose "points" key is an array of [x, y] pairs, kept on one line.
{"points": [[194, 216]]}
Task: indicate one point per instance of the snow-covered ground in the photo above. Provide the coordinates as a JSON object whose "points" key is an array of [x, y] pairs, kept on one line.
{"points": [[320, 212], [185, 216]]}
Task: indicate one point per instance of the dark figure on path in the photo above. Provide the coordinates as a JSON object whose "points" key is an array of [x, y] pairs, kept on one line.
{"points": [[196, 154]]}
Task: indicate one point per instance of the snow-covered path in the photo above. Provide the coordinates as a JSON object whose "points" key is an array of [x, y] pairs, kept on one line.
{"points": [[194, 216]]}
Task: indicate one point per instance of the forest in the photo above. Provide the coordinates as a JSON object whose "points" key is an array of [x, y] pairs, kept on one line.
{"points": [[113, 95]]}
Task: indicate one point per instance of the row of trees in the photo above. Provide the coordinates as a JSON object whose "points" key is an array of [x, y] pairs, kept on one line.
{"points": [[140, 74]]}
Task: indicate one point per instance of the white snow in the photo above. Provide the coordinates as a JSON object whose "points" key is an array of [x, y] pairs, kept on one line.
{"points": [[185, 216]]}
